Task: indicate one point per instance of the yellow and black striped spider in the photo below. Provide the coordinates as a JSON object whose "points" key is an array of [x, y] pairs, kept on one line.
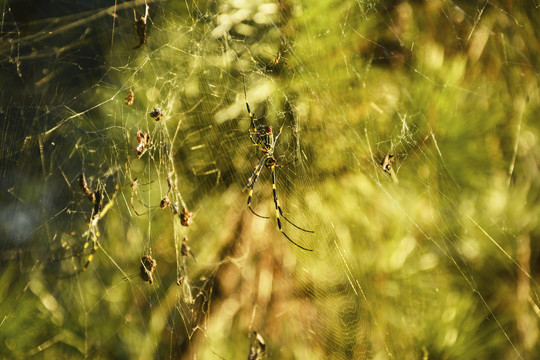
{"points": [[263, 137]]}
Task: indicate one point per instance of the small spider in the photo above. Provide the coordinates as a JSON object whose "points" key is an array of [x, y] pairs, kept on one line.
{"points": [[95, 197], [281, 59], [277, 60], [84, 187], [131, 97], [144, 141], [185, 217], [387, 162], [157, 114], [148, 266], [263, 137]]}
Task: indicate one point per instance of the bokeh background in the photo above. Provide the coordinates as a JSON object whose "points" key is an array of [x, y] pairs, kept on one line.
{"points": [[435, 259]]}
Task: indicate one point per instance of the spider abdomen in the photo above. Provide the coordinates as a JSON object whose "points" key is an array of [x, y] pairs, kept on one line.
{"points": [[270, 161]]}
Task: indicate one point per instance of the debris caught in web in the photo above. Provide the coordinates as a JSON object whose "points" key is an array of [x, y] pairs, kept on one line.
{"points": [[140, 26], [148, 266], [257, 348], [156, 114], [144, 141], [185, 217], [130, 98]]}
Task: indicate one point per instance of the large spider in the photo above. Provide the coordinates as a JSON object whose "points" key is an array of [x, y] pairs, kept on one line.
{"points": [[263, 137]]}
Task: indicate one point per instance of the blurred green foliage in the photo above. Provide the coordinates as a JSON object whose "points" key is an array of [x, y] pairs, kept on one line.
{"points": [[436, 260]]}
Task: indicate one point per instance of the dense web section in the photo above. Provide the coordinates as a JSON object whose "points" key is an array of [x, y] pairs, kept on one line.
{"points": [[407, 161]]}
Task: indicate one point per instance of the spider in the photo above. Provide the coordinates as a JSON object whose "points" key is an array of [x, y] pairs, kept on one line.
{"points": [[263, 137], [281, 59], [278, 59], [98, 212]]}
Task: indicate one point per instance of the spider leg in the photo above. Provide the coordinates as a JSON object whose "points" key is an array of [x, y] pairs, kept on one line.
{"points": [[287, 64], [253, 178], [251, 135], [94, 240], [251, 116], [134, 195], [293, 224], [133, 191], [279, 133], [251, 184], [287, 163], [280, 212]]}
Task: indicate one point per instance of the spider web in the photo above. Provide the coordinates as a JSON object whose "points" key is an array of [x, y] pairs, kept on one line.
{"points": [[433, 258]]}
